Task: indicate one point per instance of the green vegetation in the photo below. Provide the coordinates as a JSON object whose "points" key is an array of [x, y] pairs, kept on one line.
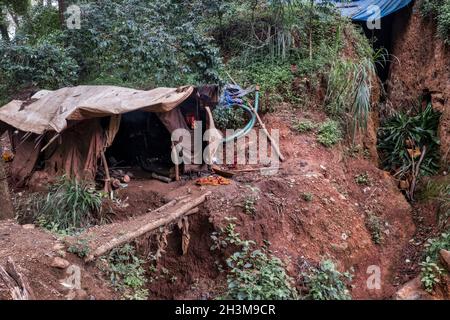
{"points": [[432, 269], [439, 10], [362, 179], [375, 226], [80, 248], [252, 274], [409, 145], [326, 283], [126, 272], [304, 126], [438, 191], [228, 118], [329, 133], [307, 196], [69, 206]]}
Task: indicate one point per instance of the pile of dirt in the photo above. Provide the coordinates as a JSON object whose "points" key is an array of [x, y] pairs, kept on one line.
{"points": [[34, 252]]}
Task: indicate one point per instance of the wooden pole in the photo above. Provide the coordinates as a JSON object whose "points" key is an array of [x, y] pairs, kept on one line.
{"points": [[152, 225], [107, 175]]}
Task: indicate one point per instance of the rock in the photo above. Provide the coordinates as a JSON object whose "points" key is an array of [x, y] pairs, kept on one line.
{"points": [[28, 226], [445, 256], [58, 246], [412, 290], [59, 263]]}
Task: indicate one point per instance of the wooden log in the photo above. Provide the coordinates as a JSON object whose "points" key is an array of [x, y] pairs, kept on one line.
{"points": [[15, 281], [188, 205]]}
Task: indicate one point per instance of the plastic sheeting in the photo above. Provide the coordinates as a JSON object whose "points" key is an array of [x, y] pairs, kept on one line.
{"points": [[362, 11]]}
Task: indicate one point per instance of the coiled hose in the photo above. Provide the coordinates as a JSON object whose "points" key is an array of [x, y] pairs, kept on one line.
{"points": [[244, 131]]}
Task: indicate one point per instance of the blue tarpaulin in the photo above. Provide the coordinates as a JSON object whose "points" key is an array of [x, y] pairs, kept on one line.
{"points": [[358, 10]]}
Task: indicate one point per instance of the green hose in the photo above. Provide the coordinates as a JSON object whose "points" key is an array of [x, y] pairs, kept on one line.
{"points": [[244, 131]]}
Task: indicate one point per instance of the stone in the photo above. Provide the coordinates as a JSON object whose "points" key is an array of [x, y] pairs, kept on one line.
{"points": [[59, 263], [412, 290], [28, 226], [445, 256]]}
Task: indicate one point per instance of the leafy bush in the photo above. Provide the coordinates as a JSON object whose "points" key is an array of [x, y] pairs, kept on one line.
{"points": [[431, 274], [70, 205], [126, 272], [252, 274], [45, 66], [349, 92], [256, 275], [432, 270], [440, 11], [402, 138], [329, 133], [304, 126], [228, 117], [326, 283]]}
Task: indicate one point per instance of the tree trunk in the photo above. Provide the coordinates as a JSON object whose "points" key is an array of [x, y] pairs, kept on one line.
{"points": [[4, 31], [6, 209], [61, 9]]}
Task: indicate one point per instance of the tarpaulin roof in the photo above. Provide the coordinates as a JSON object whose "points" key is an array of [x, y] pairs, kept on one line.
{"points": [[53, 109], [358, 10]]}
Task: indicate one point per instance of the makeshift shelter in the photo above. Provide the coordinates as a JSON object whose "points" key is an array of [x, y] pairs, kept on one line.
{"points": [[67, 131]]}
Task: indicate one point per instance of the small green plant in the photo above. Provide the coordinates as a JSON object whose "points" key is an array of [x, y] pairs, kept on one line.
{"points": [[304, 126], [255, 274], [363, 179], [326, 283], [249, 205], [375, 226], [329, 133], [403, 139], [431, 271], [80, 248], [431, 274], [252, 274], [307, 196], [126, 272], [70, 205]]}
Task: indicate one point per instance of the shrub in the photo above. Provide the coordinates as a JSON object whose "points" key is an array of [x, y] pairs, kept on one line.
{"points": [[228, 118], [126, 272], [70, 205], [44, 66], [432, 270], [304, 126], [326, 283], [439, 10], [252, 274], [403, 137], [329, 133]]}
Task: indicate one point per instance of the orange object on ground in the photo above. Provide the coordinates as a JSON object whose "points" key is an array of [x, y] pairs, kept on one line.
{"points": [[213, 181], [7, 156]]}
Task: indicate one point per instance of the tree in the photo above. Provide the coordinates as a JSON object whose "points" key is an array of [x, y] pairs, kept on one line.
{"points": [[14, 8], [6, 209]]}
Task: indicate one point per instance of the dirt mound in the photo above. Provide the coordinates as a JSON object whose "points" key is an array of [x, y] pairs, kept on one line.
{"points": [[33, 251]]}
